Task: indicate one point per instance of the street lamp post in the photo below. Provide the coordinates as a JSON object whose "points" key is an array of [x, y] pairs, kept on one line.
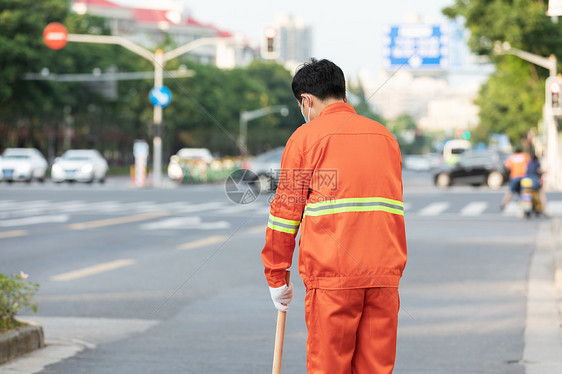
{"points": [[246, 116], [549, 122], [157, 119], [158, 59]]}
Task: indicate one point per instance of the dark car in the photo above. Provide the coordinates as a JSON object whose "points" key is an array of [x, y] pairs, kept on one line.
{"points": [[266, 167], [475, 168]]}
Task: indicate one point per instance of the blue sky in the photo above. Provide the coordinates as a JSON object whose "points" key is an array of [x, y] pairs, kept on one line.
{"points": [[347, 32]]}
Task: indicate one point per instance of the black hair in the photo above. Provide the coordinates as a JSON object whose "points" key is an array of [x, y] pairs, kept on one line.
{"points": [[323, 79]]}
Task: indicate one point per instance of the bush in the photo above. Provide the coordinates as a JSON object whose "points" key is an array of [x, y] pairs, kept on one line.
{"points": [[15, 293]]}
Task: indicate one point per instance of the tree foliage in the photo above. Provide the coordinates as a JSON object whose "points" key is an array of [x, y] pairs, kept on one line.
{"points": [[52, 115], [510, 102]]}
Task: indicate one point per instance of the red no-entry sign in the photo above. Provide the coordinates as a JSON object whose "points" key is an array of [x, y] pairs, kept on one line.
{"points": [[55, 35]]}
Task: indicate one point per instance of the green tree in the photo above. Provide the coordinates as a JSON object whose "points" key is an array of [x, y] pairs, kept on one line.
{"points": [[204, 112], [33, 112], [510, 102]]}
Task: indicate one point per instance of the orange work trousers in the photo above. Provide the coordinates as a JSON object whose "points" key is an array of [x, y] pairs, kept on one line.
{"points": [[351, 331]]}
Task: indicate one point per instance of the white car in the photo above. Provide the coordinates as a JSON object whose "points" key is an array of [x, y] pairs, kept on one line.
{"points": [[23, 164], [79, 165]]}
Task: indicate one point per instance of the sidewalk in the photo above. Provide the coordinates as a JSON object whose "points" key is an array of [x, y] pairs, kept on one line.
{"points": [[543, 329], [65, 337], [558, 267]]}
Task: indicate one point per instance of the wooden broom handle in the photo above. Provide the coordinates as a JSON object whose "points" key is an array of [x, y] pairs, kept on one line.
{"points": [[280, 334]]}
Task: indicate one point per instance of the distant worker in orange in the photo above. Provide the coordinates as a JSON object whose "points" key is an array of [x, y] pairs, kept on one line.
{"points": [[341, 184], [517, 165]]}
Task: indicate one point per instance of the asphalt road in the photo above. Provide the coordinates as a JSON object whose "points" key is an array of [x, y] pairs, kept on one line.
{"points": [[170, 280]]}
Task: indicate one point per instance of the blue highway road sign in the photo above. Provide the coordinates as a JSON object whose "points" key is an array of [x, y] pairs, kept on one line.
{"points": [[416, 46]]}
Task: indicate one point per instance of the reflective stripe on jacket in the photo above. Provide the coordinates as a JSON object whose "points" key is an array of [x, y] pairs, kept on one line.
{"points": [[341, 183]]}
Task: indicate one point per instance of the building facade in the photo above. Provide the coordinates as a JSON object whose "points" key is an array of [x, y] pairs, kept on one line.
{"points": [[170, 20]]}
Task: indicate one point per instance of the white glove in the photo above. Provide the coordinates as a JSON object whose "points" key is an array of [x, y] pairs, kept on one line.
{"points": [[282, 296]]}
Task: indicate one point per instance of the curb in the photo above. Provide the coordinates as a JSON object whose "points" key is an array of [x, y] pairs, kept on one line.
{"points": [[558, 256], [542, 352], [21, 340], [557, 227]]}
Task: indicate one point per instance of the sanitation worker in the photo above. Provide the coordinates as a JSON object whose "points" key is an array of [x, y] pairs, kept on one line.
{"points": [[340, 183]]}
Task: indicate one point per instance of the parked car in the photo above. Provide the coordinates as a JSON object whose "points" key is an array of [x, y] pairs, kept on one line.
{"points": [[23, 164], [475, 168], [79, 165], [266, 168]]}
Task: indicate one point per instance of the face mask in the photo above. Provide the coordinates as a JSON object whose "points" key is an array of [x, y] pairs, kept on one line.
{"points": [[303, 116]]}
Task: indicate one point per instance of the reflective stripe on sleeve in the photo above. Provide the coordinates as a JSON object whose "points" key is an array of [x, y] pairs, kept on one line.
{"points": [[283, 225], [360, 204]]}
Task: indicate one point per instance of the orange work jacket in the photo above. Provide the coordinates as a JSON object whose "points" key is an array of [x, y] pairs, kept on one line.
{"points": [[517, 164], [341, 183]]}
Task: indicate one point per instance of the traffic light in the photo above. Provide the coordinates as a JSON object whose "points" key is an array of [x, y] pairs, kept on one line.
{"points": [[555, 94], [270, 48]]}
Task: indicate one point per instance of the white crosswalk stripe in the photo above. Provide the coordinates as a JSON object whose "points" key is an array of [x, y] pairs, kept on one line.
{"points": [[554, 208], [184, 214], [7, 203], [474, 208], [239, 208], [73, 206], [185, 223], [24, 205], [512, 209], [435, 209], [201, 207], [34, 220], [106, 207]]}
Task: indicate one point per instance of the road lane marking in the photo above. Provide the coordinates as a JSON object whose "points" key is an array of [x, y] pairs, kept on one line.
{"points": [[257, 229], [434, 209], [203, 242], [12, 234], [116, 221], [92, 270], [474, 208], [34, 220]]}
